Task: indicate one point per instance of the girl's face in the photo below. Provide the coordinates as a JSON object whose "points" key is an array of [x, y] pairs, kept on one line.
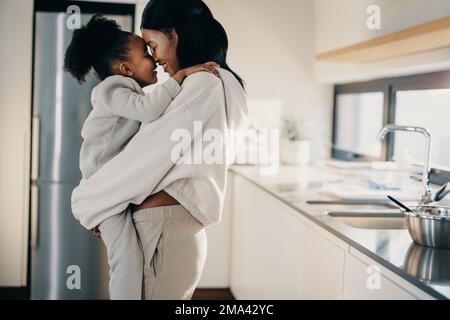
{"points": [[163, 49], [141, 64]]}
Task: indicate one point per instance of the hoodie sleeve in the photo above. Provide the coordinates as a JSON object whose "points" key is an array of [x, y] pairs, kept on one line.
{"points": [[135, 172], [123, 97]]}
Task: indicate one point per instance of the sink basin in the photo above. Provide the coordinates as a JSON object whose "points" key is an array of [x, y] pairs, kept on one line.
{"points": [[373, 202], [371, 219]]}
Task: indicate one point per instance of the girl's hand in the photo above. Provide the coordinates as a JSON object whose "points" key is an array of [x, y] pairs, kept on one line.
{"points": [[210, 66], [96, 232]]}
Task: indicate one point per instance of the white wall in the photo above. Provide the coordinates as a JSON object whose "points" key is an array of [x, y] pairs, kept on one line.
{"points": [[15, 116], [340, 23], [271, 45]]}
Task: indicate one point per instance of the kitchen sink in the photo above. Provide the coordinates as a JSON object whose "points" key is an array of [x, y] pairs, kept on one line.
{"points": [[371, 219]]}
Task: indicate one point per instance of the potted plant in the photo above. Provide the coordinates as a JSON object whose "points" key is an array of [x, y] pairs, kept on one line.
{"points": [[295, 149]]}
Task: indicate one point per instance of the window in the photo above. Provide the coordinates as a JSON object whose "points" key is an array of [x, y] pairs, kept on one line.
{"points": [[361, 109], [360, 113], [429, 109]]}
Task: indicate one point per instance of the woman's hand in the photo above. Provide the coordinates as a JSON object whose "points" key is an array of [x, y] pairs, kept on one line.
{"points": [[96, 232]]}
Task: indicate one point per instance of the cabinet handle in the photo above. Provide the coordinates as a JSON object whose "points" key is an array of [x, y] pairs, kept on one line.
{"points": [[35, 149], [34, 216]]}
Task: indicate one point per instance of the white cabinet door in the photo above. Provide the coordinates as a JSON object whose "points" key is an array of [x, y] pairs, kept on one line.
{"points": [[16, 22], [217, 267], [366, 282], [276, 255]]}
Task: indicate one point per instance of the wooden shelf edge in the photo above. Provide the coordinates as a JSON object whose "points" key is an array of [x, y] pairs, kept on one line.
{"points": [[404, 37]]}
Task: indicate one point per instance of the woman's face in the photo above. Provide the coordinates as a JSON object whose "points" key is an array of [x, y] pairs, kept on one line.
{"points": [[163, 49]]}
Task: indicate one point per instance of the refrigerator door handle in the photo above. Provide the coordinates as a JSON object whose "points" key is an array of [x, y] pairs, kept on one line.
{"points": [[34, 216], [35, 149]]}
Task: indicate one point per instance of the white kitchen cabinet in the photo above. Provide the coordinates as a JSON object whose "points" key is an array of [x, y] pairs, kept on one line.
{"points": [[367, 280], [363, 281], [16, 27], [277, 254], [217, 266]]}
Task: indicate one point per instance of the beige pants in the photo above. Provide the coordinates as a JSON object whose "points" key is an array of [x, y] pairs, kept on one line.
{"points": [[174, 245]]}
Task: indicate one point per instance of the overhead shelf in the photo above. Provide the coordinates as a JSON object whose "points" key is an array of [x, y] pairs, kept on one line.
{"points": [[425, 37]]}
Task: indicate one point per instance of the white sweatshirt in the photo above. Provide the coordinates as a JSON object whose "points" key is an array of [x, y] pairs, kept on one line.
{"points": [[119, 106], [146, 165]]}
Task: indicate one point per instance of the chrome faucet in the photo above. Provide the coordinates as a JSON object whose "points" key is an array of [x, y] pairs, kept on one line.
{"points": [[427, 196]]}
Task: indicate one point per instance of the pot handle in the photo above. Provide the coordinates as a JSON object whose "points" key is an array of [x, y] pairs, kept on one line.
{"points": [[442, 192]]}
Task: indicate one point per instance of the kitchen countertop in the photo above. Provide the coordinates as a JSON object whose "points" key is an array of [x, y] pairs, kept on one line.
{"points": [[393, 249]]}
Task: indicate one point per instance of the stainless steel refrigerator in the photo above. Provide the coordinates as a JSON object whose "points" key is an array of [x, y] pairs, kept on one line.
{"points": [[66, 261]]}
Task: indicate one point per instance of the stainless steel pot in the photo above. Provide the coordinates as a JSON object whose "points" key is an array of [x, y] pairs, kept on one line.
{"points": [[429, 225]]}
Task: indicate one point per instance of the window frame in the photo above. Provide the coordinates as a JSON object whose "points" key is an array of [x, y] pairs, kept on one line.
{"points": [[389, 87]]}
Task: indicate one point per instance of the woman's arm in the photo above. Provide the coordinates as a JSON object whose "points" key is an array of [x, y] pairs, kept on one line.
{"points": [[134, 173]]}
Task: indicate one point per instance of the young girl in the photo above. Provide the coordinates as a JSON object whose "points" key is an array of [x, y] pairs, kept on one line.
{"points": [[122, 62]]}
